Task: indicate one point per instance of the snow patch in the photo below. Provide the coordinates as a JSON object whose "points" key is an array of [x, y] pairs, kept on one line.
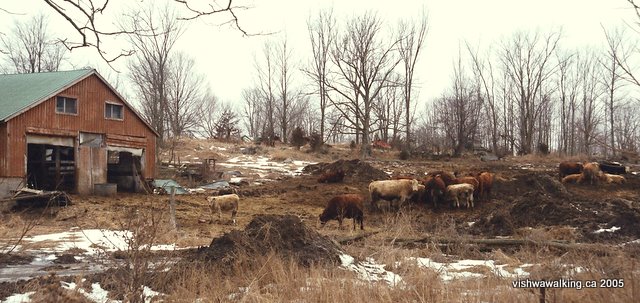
{"points": [[371, 271]]}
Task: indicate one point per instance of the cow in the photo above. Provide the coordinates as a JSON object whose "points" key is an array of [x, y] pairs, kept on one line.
{"points": [[344, 206], [472, 181], [435, 188], [390, 190], [447, 177], [486, 183], [572, 178], [568, 168], [331, 176], [591, 172], [457, 192], [224, 203], [616, 179]]}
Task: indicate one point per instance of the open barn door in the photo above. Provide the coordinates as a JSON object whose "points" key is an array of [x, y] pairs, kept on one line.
{"points": [[51, 163], [124, 167]]}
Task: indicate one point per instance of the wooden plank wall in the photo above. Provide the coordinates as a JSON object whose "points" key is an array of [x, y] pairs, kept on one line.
{"points": [[91, 94]]}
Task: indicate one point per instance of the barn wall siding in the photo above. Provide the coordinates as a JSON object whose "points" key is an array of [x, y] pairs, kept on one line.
{"points": [[91, 94], [3, 149]]}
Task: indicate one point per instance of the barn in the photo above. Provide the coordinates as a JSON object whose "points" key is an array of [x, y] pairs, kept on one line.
{"points": [[71, 130]]}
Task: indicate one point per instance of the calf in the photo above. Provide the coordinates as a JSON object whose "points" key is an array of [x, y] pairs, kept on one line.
{"points": [[457, 192], [224, 203], [344, 206], [472, 181], [568, 168]]}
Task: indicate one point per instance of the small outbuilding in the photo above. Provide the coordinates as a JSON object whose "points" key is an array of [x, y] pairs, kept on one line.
{"points": [[71, 130]]}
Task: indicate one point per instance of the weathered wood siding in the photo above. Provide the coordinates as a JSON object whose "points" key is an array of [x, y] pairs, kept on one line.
{"points": [[91, 94], [3, 149]]}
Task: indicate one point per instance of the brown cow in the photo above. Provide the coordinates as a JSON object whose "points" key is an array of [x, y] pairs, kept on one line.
{"points": [[568, 168], [486, 183], [331, 176], [344, 206], [591, 172], [435, 188], [447, 177]]}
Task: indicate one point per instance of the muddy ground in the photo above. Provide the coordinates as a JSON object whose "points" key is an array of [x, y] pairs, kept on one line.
{"points": [[527, 202]]}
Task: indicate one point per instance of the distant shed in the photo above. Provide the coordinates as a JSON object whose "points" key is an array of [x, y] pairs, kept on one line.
{"points": [[70, 130]]}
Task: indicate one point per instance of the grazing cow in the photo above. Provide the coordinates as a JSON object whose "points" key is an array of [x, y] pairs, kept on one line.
{"points": [[472, 181], [616, 179], [486, 183], [435, 188], [390, 190], [457, 192], [331, 176], [224, 203], [572, 178], [568, 168], [591, 172], [344, 206]]}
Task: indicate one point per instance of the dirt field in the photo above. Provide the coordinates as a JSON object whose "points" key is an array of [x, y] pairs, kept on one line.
{"points": [[528, 203]]}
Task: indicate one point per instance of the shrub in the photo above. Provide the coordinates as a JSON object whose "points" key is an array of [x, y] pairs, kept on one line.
{"points": [[297, 137], [404, 154], [315, 141]]}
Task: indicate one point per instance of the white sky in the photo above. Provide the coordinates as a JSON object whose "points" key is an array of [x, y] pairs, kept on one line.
{"points": [[227, 58]]}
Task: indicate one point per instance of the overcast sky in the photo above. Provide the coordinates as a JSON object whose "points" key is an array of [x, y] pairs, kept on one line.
{"points": [[227, 58]]}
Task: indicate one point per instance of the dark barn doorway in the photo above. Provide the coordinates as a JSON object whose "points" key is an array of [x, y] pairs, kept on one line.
{"points": [[51, 167], [124, 169]]}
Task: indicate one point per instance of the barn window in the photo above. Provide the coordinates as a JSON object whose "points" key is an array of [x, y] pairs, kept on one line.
{"points": [[66, 105], [113, 111]]}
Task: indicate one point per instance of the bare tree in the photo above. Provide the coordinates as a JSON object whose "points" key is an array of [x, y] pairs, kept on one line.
{"points": [[591, 91], [85, 19], [412, 35], [30, 47], [364, 63], [150, 68], [567, 83], [322, 36], [458, 112], [527, 62], [185, 91], [209, 115], [285, 93], [389, 110], [612, 80], [267, 82], [485, 75], [253, 111]]}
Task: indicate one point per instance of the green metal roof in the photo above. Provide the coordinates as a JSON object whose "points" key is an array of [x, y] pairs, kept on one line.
{"points": [[19, 92]]}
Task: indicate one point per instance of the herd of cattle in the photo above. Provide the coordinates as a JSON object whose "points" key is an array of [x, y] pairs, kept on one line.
{"points": [[592, 172], [437, 188]]}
